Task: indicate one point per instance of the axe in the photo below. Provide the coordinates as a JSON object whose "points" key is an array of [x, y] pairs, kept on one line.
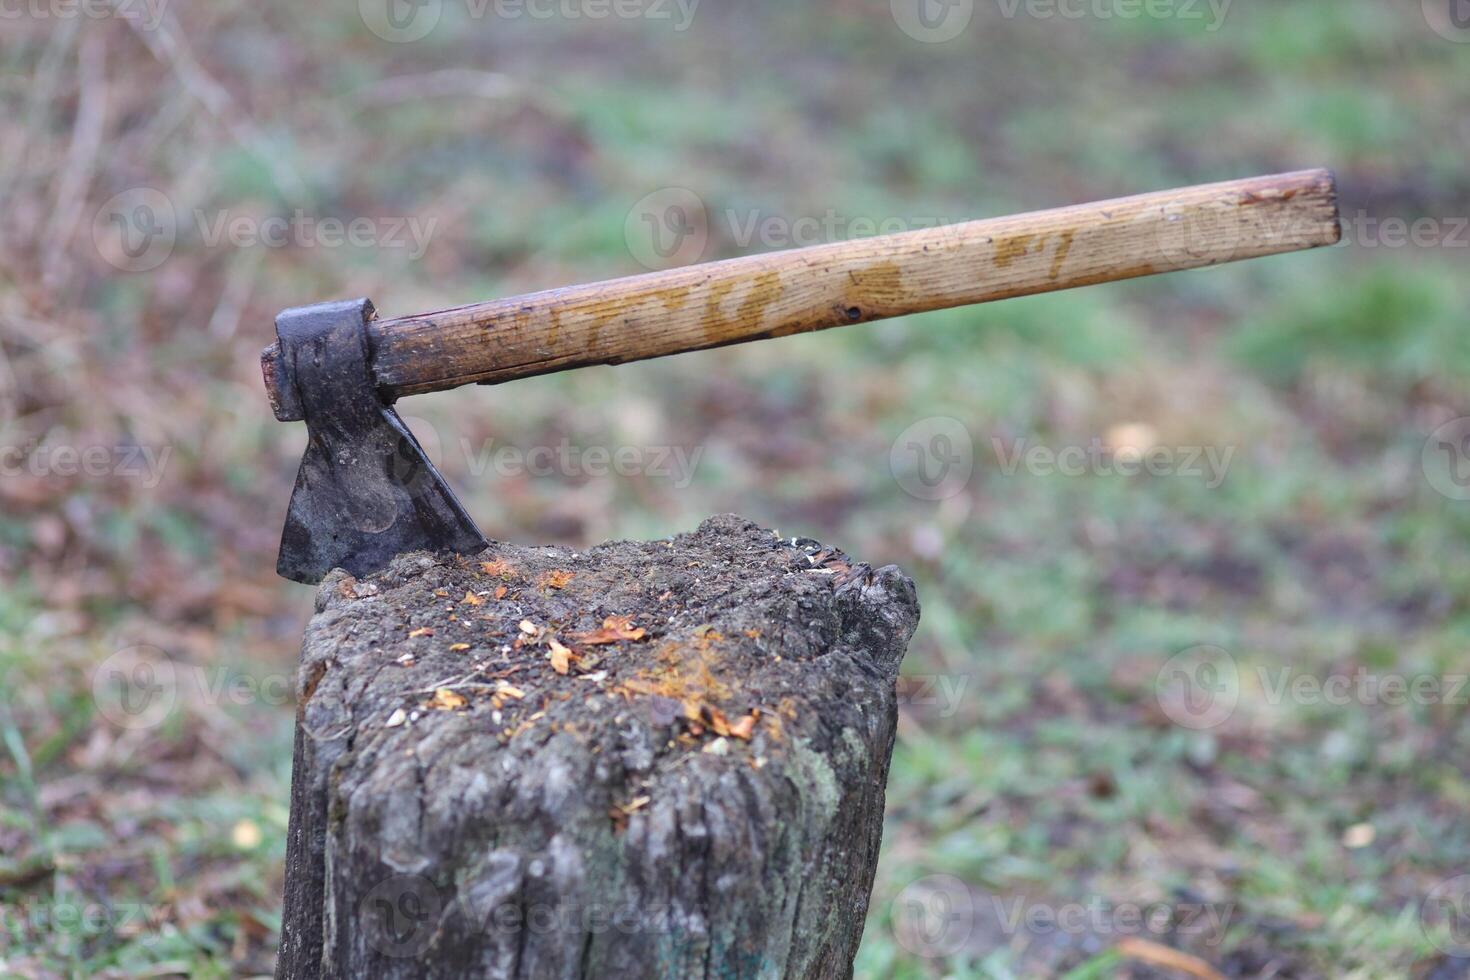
{"points": [[366, 492]]}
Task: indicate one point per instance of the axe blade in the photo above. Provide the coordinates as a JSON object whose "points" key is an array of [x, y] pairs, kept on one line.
{"points": [[366, 492]]}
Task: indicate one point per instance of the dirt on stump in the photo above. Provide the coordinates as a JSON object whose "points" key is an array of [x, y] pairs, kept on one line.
{"points": [[649, 759]]}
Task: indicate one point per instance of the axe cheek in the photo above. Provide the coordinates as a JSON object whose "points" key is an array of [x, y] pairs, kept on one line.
{"points": [[365, 492]]}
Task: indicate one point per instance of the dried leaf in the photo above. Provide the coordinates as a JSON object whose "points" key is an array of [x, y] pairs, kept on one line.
{"points": [[1154, 954], [509, 690], [500, 592], [498, 568], [421, 631], [471, 599], [459, 647], [745, 727], [556, 579], [615, 629]]}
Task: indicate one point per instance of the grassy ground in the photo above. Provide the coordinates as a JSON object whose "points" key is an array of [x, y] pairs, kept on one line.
{"points": [[1171, 690]]}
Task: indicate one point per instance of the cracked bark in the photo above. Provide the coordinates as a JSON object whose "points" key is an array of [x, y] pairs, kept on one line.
{"points": [[597, 824]]}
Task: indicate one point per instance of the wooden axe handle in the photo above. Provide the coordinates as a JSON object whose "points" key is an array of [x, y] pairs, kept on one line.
{"points": [[781, 293]]}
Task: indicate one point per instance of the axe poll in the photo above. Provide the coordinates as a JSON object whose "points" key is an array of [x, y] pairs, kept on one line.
{"points": [[366, 493]]}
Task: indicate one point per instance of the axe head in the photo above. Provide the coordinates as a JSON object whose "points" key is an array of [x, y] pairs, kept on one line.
{"points": [[365, 492]]}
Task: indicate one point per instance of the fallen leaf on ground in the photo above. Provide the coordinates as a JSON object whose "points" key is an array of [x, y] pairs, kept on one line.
{"points": [[497, 568], [246, 835], [471, 599], [1157, 955], [422, 631], [458, 647]]}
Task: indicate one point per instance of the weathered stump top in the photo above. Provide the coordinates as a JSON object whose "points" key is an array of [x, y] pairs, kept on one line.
{"points": [[695, 731]]}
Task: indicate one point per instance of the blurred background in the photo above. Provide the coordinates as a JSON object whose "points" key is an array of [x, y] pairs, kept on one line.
{"points": [[1188, 698]]}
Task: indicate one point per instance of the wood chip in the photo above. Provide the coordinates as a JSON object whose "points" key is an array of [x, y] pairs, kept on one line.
{"points": [[635, 804], [470, 599], [446, 700], [529, 628], [561, 657], [397, 718], [459, 647], [421, 631]]}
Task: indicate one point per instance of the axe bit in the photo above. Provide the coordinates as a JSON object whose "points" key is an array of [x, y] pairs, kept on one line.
{"points": [[366, 492]]}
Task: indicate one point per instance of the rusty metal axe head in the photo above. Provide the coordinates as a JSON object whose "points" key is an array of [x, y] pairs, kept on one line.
{"points": [[365, 492]]}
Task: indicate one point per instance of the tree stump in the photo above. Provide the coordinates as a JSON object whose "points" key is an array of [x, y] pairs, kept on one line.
{"points": [[661, 759]]}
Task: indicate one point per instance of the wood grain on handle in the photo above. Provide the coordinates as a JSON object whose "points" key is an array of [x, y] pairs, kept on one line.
{"points": [[781, 293]]}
